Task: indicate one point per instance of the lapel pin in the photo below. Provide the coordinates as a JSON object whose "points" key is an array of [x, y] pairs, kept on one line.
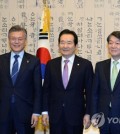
{"points": [[78, 64], [27, 61]]}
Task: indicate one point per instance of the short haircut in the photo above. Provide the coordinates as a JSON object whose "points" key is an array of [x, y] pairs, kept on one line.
{"points": [[114, 33], [17, 28], [67, 31]]}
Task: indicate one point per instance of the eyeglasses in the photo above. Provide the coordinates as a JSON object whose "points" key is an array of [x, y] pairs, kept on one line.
{"points": [[17, 39]]}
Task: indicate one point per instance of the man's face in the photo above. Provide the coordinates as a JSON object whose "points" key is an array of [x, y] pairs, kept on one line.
{"points": [[17, 41], [114, 47], [66, 46]]}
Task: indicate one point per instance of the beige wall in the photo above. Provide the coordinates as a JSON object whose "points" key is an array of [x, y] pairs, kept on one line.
{"points": [[92, 20]]}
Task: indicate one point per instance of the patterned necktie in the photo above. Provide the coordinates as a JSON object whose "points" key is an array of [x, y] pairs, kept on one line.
{"points": [[15, 69], [65, 74], [114, 73]]}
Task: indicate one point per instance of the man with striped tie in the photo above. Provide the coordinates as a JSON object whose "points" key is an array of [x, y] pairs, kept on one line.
{"points": [[20, 86]]}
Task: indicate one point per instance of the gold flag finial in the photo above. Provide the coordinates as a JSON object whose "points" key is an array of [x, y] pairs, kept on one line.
{"points": [[44, 2]]}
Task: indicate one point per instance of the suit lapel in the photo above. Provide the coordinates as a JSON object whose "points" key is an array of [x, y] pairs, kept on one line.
{"points": [[74, 69], [24, 65], [107, 73], [117, 81], [7, 65], [59, 71]]}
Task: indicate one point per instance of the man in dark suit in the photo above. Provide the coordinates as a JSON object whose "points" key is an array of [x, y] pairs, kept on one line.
{"points": [[20, 98], [65, 105], [106, 88]]}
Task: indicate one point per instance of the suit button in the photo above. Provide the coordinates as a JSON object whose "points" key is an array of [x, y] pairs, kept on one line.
{"points": [[63, 105]]}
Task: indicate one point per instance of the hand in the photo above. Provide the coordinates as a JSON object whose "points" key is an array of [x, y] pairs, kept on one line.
{"points": [[94, 122], [86, 121], [45, 119], [34, 120]]}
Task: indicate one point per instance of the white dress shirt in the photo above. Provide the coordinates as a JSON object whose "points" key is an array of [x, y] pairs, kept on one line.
{"points": [[70, 64], [118, 66]]}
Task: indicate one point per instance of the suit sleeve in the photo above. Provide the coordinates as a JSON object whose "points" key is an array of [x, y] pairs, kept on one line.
{"points": [[88, 86], [95, 91], [46, 88], [37, 88]]}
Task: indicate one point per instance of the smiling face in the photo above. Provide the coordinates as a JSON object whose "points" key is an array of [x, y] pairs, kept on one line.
{"points": [[114, 47], [17, 41], [67, 46]]}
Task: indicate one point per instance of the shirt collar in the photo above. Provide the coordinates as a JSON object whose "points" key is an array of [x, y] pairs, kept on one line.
{"points": [[20, 54], [71, 59], [114, 60]]}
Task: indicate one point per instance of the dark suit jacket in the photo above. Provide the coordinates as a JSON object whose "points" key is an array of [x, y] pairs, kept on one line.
{"points": [[102, 93], [55, 97], [27, 89]]}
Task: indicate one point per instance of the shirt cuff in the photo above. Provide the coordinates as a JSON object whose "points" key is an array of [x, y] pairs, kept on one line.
{"points": [[45, 112], [36, 114]]}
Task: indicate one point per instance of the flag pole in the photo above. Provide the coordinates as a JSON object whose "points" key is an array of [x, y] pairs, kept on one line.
{"points": [[44, 3], [44, 130]]}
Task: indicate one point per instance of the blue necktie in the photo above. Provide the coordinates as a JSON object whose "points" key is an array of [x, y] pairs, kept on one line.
{"points": [[15, 69]]}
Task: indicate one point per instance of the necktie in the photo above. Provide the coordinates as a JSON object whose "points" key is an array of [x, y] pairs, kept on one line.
{"points": [[114, 73], [65, 74], [15, 69]]}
